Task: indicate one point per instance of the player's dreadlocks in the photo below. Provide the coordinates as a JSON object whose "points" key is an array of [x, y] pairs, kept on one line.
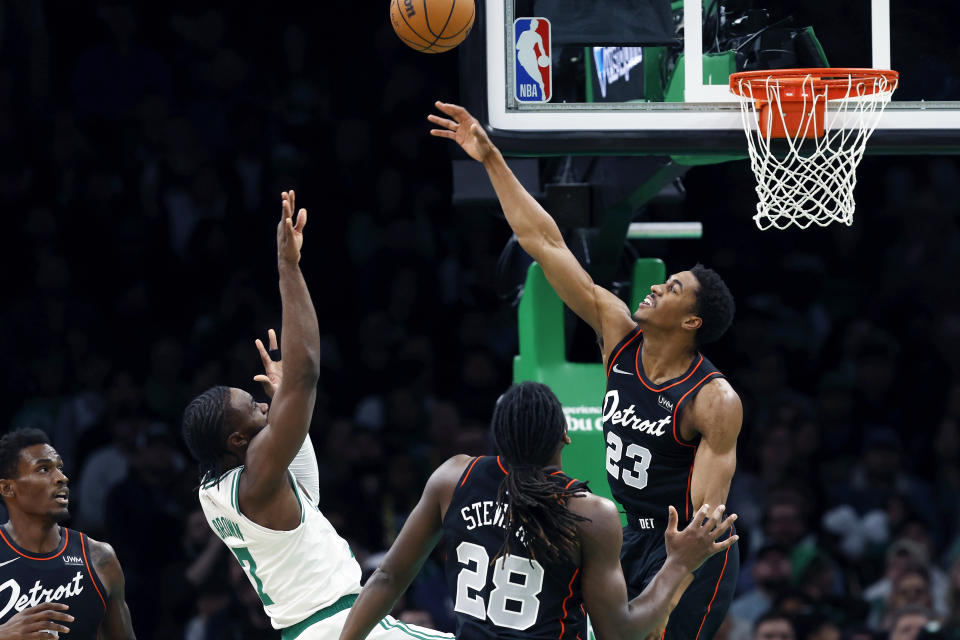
{"points": [[203, 430], [528, 424]]}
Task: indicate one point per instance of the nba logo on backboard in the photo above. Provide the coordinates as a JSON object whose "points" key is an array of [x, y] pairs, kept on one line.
{"points": [[532, 67]]}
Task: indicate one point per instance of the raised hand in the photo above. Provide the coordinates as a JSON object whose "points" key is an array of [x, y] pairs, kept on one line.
{"points": [[37, 623], [463, 129], [290, 233], [272, 369], [698, 540]]}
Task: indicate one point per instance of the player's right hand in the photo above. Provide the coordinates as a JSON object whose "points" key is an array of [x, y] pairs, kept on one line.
{"points": [[36, 623], [698, 540], [272, 369], [290, 233], [463, 129]]}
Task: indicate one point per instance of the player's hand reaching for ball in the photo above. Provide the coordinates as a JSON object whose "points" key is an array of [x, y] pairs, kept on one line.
{"points": [[698, 540], [272, 369], [37, 623], [290, 231], [463, 129]]}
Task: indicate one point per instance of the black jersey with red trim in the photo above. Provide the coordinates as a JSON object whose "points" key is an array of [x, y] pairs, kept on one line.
{"points": [[28, 579], [649, 464], [515, 597]]}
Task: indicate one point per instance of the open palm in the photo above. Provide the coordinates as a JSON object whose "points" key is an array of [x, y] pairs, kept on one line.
{"points": [[462, 128]]}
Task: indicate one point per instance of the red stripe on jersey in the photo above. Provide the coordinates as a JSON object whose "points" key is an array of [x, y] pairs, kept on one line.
{"points": [[83, 548], [475, 461], [66, 539], [636, 363], [716, 589], [563, 605], [614, 358]]}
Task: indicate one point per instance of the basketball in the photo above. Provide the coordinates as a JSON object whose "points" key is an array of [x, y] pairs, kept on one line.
{"points": [[432, 26]]}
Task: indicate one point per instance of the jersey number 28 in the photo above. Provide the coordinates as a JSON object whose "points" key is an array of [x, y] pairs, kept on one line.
{"points": [[640, 456], [517, 582]]}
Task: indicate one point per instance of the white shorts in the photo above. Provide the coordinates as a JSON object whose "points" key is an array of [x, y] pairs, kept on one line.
{"points": [[387, 629]]}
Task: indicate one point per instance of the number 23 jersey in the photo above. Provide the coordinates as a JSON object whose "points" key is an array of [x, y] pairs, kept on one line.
{"points": [[514, 597], [649, 464]]}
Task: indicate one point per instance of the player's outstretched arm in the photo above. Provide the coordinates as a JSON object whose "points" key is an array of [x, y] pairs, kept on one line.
{"points": [[536, 230], [604, 588], [116, 623], [420, 534], [304, 465], [271, 452]]}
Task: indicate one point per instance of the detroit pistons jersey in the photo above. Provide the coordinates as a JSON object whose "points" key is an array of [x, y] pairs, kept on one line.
{"points": [[649, 463], [65, 575], [516, 596], [296, 572]]}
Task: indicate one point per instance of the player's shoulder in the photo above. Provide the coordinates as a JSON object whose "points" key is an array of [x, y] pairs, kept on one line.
{"points": [[718, 393], [446, 476], [105, 562], [602, 517]]}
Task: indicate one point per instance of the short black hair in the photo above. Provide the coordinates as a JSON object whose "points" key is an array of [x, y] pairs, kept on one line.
{"points": [[13, 443], [714, 305], [203, 421]]}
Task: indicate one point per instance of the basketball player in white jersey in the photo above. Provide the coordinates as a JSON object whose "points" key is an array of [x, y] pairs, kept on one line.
{"points": [[260, 485]]}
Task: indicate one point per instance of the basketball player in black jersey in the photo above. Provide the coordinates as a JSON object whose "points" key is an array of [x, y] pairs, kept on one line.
{"points": [[52, 579], [529, 550], [670, 419]]}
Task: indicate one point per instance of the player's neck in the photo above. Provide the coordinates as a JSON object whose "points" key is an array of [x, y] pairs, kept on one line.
{"points": [[664, 357], [38, 534]]}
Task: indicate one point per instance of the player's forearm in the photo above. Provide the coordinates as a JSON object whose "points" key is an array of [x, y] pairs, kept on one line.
{"points": [[375, 601], [532, 224], [650, 608], [300, 334]]}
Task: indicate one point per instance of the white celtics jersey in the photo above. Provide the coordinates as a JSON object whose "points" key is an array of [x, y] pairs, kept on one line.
{"points": [[295, 572]]}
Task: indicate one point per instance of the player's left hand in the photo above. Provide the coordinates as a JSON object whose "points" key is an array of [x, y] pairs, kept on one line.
{"points": [[698, 540], [272, 369]]}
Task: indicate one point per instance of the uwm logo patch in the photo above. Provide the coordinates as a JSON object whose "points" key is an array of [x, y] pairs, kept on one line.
{"points": [[532, 68]]}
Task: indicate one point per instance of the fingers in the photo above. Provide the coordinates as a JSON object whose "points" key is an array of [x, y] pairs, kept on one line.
{"points": [[47, 606], [700, 516], [272, 339], [262, 379], [672, 518], [286, 209], [455, 111], [714, 518], [443, 122], [724, 526], [264, 356], [443, 133], [726, 544], [301, 220]]}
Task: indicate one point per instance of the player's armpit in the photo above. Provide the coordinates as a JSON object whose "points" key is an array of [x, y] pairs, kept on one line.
{"points": [[116, 623], [717, 414]]}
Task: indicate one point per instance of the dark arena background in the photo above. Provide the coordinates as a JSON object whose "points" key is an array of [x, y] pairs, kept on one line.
{"points": [[144, 149]]}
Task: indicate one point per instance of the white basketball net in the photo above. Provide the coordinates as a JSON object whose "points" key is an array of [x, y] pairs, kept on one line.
{"points": [[803, 181]]}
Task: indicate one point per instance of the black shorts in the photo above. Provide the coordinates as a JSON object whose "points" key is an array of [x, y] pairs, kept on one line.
{"points": [[703, 605]]}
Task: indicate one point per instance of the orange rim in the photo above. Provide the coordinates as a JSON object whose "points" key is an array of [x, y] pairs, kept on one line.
{"points": [[821, 80]]}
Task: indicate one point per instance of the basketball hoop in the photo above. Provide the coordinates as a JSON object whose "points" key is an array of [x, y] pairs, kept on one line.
{"points": [[804, 152]]}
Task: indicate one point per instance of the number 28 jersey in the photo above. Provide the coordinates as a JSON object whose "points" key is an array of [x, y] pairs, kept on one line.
{"points": [[515, 597], [649, 464]]}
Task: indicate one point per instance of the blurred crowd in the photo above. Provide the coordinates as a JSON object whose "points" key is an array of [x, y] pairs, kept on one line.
{"points": [[145, 151]]}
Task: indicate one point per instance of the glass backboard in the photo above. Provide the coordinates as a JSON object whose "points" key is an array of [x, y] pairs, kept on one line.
{"points": [[624, 77]]}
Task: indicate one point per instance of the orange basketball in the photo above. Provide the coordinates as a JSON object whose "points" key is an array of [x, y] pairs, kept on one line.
{"points": [[432, 26]]}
